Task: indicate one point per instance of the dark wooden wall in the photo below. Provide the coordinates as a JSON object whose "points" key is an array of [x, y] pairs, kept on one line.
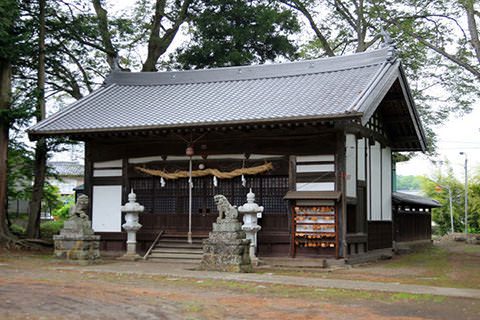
{"points": [[379, 235], [412, 226], [274, 238]]}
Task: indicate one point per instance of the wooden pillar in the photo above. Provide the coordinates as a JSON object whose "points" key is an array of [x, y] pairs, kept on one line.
{"points": [[88, 176], [339, 183]]}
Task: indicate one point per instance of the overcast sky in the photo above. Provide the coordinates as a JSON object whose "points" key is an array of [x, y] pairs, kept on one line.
{"points": [[457, 135]]}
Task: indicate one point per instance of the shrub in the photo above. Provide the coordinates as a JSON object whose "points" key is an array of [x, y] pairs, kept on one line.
{"points": [[17, 230], [50, 228], [62, 213]]}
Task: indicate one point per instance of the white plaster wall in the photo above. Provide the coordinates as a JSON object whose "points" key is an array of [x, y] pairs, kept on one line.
{"points": [[376, 182], [106, 203], [361, 174], [107, 173], [327, 157], [315, 168], [368, 179], [108, 164], [351, 165], [316, 186], [386, 184]]}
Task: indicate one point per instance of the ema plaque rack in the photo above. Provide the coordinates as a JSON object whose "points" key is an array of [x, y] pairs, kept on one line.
{"points": [[314, 227]]}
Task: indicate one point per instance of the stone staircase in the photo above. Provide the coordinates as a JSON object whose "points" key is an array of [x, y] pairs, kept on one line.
{"points": [[174, 248]]}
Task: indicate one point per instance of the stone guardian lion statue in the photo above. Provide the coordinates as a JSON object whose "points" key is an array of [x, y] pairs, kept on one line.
{"points": [[79, 210], [225, 209]]}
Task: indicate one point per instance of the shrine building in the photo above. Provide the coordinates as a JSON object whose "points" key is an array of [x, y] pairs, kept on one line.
{"points": [[312, 139]]}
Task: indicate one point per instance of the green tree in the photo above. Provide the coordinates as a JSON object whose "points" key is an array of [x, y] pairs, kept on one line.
{"points": [[41, 147], [437, 41], [474, 202], [408, 182], [238, 32], [441, 215], [8, 41]]}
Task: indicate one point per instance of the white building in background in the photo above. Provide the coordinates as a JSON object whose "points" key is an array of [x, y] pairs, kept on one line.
{"points": [[70, 176]]}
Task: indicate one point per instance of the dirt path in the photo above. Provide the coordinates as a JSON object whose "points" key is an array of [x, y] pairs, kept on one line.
{"points": [[32, 288]]}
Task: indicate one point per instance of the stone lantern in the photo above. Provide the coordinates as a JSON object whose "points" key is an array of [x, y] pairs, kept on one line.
{"points": [[250, 212], [131, 225]]}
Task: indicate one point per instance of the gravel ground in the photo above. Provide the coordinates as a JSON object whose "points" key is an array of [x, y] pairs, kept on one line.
{"points": [[33, 286]]}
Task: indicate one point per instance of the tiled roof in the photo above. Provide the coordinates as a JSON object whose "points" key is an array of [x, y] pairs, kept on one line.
{"points": [[65, 168], [411, 199], [323, 88]]}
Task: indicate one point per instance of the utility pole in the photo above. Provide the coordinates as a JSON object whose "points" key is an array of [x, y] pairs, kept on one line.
{"points": [[466, 196]]}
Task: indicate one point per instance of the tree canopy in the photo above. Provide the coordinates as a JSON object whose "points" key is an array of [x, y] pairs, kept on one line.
{"points": [[238, 32]]}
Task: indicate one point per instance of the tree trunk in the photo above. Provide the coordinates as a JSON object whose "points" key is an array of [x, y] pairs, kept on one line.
{"points": [[5, 87], [158, 45], [105, 34], [6, 19], [472, 26], [40, 165]]}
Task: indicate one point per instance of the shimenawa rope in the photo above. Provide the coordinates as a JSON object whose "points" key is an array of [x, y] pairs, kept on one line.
{"points": [[205, 172]]}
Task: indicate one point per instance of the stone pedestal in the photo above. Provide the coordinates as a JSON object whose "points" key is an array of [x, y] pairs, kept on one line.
{"points": [[226, 248], [250, 212], [77, 242], [131, 225]]}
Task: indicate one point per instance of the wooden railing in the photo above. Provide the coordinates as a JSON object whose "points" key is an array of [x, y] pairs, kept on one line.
{"points": [[153, 245]]}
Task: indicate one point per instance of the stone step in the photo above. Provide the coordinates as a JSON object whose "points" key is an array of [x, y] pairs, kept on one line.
{"points": [[177, 251], [172, 260], [184, 236], [174, 244], [189, 256]]}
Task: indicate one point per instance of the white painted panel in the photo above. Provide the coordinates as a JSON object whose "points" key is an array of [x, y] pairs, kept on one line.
{"points": [[316, 186], [327, 157], [368, 179], [107, 173], [361, 174], [315, 168], [108, 164], [376, 182], [351, 165], [106, 202], [386, 184]]}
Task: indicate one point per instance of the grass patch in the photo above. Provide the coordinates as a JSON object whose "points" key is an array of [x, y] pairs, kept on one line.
{"points": [[430, 258], [473, 250], [44, 256], [305, 293]]}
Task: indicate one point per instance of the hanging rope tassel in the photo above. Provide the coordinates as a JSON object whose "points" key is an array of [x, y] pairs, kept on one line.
{"points": [[215, 182], [190, 182], [244, 181], [162, 182]]}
